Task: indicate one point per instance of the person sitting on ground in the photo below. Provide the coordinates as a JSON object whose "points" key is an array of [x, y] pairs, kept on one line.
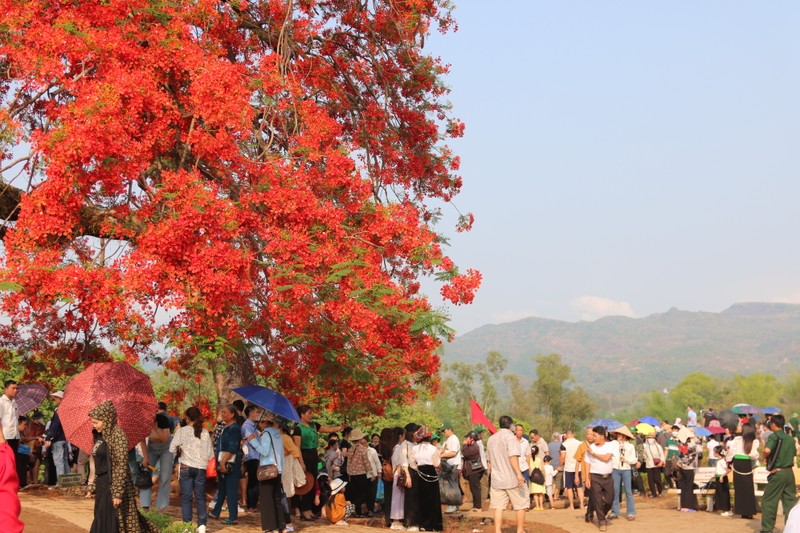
{"points": [[337, 508]]}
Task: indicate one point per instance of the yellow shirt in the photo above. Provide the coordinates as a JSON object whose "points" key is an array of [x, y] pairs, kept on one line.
{"points": [[289, 447], [336, 507]]}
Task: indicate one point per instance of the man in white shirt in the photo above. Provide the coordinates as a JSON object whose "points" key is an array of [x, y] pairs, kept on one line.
{"points": [[508, 485], [599, 455], [538, 440], [451, 452], [711, 445], [572, 483], [524, 452], [9, 415]]}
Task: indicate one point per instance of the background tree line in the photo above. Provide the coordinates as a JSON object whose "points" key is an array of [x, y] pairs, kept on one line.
{"points": [[546, 399], [702, 391]]}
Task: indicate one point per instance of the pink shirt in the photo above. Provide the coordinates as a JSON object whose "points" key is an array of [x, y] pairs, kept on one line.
{"points": [[9, 485]]}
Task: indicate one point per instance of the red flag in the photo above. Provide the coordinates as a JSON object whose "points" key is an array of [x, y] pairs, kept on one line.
{"points": [[478, 416]]}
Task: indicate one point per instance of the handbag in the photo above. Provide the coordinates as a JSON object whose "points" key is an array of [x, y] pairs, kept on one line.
{"points": [[401, 479], [656, 461], [476, 465], [266, 472], [387, 471], [537, 476], [144, 478]]}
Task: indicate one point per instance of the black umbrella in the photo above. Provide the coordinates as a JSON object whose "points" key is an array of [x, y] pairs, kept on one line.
{"points": [[728, 419]]}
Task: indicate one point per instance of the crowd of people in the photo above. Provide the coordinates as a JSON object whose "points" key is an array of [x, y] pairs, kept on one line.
{"points": [[410, 476]]}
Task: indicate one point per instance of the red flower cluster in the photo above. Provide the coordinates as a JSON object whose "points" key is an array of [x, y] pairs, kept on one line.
{"points": [[247, 182]]}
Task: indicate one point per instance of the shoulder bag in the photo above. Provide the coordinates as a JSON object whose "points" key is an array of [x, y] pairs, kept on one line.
{"points": [[267, 472], [387, 470]]}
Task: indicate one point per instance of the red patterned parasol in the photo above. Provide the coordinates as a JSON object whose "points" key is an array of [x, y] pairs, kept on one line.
{"points": [[29, 397], [128, 389]]}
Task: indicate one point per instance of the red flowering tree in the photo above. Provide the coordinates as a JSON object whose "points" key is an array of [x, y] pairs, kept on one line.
{"points": [[253, 185]]}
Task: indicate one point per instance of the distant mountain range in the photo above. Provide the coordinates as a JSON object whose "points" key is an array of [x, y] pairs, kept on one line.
{"points": [[640, 354]]}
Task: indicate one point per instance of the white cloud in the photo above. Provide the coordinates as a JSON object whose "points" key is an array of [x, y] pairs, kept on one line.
{"points": [[594, 307]]}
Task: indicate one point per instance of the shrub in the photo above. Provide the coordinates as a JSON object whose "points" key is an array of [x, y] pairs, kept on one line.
{"points": [[166, 524]]}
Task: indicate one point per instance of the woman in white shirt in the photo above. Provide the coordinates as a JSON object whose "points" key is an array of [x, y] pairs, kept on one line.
{"points": [[428, 460], [396, 512], [623, 459], [196, 451], [743, 453]]}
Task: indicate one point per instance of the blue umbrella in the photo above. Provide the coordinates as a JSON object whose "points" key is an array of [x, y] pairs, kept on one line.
{"points": [[270, 400], [772, 410], [700, 431], [653, 421], [607, 423]]}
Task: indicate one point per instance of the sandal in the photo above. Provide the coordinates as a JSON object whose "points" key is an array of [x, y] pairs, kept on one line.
{"points": [[229, 522]]}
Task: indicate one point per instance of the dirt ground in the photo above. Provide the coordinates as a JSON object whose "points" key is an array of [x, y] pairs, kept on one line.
{"points": [[50, 512]]}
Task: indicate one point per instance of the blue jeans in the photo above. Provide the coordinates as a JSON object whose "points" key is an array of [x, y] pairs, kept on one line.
{"points": [[228, 489], [193, 482], [622, 479], [159, 453], [60, 457]]}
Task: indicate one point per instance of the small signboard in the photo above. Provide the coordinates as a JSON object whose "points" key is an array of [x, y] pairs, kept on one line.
{"points": [[69, 480]]}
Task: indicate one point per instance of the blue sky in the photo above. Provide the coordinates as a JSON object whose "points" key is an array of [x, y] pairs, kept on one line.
{"points": [[626, 157]]}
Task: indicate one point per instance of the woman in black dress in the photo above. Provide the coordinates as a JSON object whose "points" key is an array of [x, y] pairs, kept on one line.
{"points": [[115, 508], [429, 461], [744, 449]]}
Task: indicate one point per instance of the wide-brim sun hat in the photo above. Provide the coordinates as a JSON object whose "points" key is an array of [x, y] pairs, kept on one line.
{"points": [[307, 486], [337, 485], [623, 430], [356, 435], [684, 434]]}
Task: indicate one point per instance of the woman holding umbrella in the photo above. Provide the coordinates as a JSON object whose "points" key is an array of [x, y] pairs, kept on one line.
{"points": [[306, 436], [115, 496], [269, 445]]}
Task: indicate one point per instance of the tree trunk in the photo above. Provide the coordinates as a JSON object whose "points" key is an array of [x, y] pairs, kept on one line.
{"points": [[238, 371]]}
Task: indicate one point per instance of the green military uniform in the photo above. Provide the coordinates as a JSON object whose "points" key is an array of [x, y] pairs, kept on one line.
{"points": [[780, 485]]}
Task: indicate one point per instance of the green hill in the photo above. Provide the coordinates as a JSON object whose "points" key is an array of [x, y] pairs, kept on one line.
{"points": [[630, 355]]}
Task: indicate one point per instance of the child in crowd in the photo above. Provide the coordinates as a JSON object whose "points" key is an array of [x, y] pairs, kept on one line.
{"points": [[722, 494], [338, 509], [322, 490], [549, 475]]}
